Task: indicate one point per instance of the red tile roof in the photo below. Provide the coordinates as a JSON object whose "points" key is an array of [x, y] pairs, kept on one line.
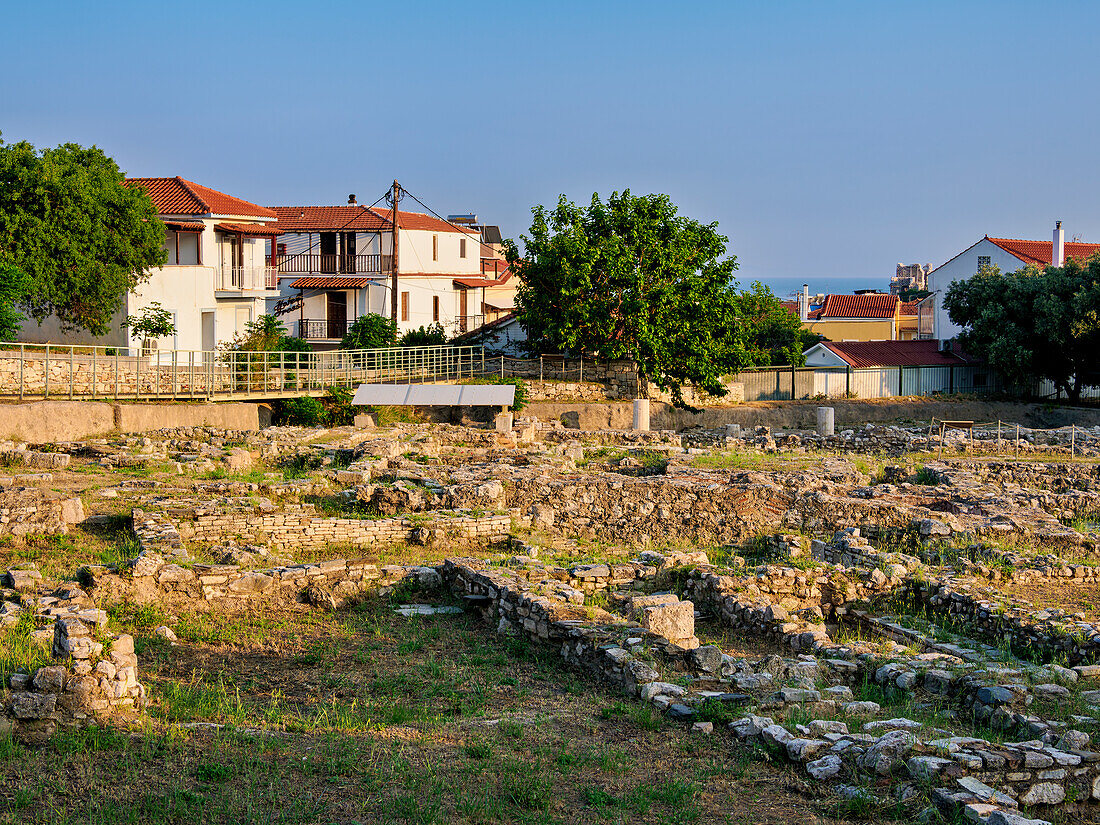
{"points": [[420, 220], [176, 196], [363, 218], [790, 306], [474, 283], [908, 307], [248, 228], [186, 226], [856, 306], [896, 354], [331, 282], [329, 219], [1042, 252]]}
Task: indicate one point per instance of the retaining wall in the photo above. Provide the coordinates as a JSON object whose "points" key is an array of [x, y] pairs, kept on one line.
{"points": [[42, 422]]}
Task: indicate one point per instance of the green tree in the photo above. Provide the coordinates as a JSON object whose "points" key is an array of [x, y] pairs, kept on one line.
{"points": [[430, 336], [370, 331], [630, 278], [770, 336], [266, 334], [14, 284], [1033, 323], [154, 321], [82, 238]]}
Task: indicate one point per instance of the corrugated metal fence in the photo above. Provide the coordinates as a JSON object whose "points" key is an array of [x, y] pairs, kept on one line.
{"points": [[795, 383]]}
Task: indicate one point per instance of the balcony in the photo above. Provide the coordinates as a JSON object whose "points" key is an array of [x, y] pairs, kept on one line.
{"points": [[466, 323], [314, 263], [244, 278], [313, 329]]}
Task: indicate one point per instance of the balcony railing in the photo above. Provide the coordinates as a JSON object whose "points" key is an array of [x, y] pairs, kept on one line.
{"points": [[242, 278], [315, 263], [466, 323], [313, 329]]}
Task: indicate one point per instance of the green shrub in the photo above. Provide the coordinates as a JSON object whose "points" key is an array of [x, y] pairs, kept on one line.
{"points": [[300, 412], [431, 336], [370, 331], [521, 388]]}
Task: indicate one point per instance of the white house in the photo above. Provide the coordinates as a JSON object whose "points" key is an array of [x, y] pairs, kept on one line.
{"points": [[215, 279], [1007, 254], [334, 263]]}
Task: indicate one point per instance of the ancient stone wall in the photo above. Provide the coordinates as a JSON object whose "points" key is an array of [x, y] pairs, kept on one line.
{"points": [[95, 677], [300, 526], [33, 510]]}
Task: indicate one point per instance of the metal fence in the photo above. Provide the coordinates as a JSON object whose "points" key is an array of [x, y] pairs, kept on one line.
{"points": [[793, 383], [49, 371]]}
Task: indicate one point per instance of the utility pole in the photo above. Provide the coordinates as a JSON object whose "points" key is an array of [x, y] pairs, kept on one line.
{"points": [[393, 262]]}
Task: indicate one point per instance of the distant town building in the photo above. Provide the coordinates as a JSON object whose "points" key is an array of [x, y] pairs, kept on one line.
{"points": [[864, 316], [910, 276], [1008, 255], [334, 263], [214, 282]]}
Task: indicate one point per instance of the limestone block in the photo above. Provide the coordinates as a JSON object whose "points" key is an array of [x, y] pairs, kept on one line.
{"points": [[673, 621]]}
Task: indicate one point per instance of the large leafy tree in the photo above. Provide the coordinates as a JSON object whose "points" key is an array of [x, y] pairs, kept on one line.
{"points": [[13, 286], [1034, 323], [631, 278], [771, 335], [81, 237]]}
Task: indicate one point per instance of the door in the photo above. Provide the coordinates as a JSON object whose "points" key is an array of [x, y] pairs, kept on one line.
{"points": [[208, 340], [328, 252], [348, 262], [462, 307], [337, 314]]}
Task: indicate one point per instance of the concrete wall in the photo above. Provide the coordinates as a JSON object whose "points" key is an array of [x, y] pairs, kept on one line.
{"points": [[47, 421], [803, 415]]}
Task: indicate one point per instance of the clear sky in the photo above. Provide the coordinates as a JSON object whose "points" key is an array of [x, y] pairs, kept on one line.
{"points": [[826, 138]]}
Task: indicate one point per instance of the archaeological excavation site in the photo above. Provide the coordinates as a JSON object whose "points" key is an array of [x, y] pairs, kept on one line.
{"points": [[428, 622]]}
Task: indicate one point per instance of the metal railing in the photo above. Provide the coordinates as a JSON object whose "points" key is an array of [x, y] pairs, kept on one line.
{"points": [[230, 278], [332, 264], [29, 371], [316, 329]]}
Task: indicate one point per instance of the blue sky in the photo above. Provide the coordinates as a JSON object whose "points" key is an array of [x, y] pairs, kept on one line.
{"points": [[827, 139]]}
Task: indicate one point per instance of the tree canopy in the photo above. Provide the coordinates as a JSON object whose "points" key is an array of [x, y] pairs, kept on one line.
{"points": [[630, 278], [370, 331], [1033, 323], [80, 236], [13, 286]]}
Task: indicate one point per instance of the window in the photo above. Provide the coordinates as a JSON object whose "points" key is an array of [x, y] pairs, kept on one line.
{"points": [[983, 260], [462, 247], [435, 307], [404, 306], [182, 248], [435, 247]]}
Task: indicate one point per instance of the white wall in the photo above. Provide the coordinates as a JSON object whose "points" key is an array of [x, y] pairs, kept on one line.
{"points": [[414, 253], [960, 268]]}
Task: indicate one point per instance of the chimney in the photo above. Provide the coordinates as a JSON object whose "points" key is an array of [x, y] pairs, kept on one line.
{"points": [[351, 200], [1058, 252], [804, 303]]}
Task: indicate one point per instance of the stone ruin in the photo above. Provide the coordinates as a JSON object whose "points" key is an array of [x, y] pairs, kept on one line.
{"points": [[802, 572]]}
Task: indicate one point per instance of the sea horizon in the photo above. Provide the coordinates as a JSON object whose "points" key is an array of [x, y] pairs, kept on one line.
{"points": [[788, 286]]}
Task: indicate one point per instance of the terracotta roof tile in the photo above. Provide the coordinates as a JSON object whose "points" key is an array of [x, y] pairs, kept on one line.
{"points": [[177, 196], [333, 218], [328, 219], [248, 228], [857, 306], [908, 307], [1042, 252], [331, 282], [897, 354]]}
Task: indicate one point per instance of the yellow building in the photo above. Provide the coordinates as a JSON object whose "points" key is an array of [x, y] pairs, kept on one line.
{"points": [[865, 317]]}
